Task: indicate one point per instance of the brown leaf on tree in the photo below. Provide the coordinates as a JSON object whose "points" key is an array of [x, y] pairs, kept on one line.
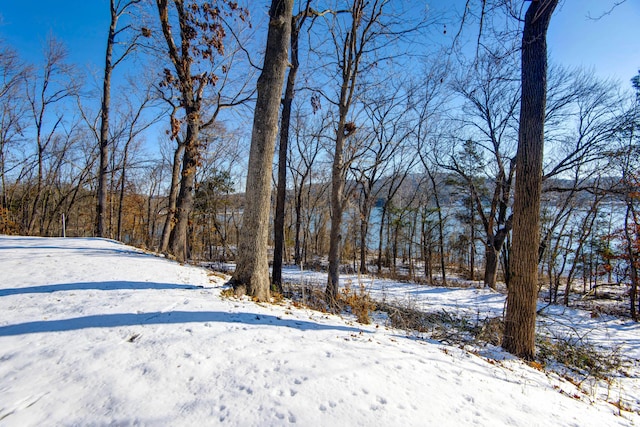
{"points": [[176, 124]]}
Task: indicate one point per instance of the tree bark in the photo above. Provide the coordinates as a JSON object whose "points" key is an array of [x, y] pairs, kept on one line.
{"points": [[103, 143], [337, 200], [178, 244], [492, 252], [191, 100], [631, 242], [351, 50], [520, 320], [436, 198], [278, 222], [101, 206], [173, 197], [252, 270], [490, 266]]}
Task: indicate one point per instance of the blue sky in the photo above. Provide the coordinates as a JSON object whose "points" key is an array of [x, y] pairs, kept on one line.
{"points": [[610, 45], [81, 25]]}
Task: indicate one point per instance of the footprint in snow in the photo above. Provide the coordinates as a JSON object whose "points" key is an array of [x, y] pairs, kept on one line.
{"points": [[298, 381], [248, 390]]}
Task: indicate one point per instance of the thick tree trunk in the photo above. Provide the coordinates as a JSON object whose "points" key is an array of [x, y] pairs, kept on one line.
{"points": [[101, 206], [350, 55], [490, 266], [492, 253], [520, 320], [191, 91], [337, 196], [252, 271], [173, 197], [278, 222], [178, 240]]}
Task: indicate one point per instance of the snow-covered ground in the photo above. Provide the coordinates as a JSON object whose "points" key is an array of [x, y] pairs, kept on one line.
{"points": [[476, 303], [93, 332]]}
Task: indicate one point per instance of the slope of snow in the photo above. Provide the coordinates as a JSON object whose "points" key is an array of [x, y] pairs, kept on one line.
{"points": [[93, 332]]}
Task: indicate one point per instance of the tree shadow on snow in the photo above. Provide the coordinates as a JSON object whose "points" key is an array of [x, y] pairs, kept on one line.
{"points": [[99, 286], [155, 318]]}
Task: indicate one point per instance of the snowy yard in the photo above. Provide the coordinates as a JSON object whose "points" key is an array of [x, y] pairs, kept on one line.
{"points": [[93, 332]]}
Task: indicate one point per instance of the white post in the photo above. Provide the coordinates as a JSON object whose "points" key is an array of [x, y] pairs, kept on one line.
{"points": [[64, 227]]}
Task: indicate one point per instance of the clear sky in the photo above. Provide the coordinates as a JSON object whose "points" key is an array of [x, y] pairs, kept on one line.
{"points": [[81, 24], [609, 45]]}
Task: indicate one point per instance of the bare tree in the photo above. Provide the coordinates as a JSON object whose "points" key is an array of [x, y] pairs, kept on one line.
{"points": [[199, 41], [68, 171], [632, 215], [133, 122], [579, 121], [155, 171], [174, 187], [297, 22], [489, 90], [12, 120], [117, 9], [214, 184], [520, 319], [51, 87], [361, 39], [388, 132], [429, 104], [252, 270], [629, 191], [304, 152], [579, 128]]}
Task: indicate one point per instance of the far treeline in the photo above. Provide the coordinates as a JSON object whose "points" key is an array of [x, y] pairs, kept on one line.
{"points": [[397, 139]]}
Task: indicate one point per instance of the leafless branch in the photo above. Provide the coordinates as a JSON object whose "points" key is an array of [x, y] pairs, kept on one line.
{"points": [[607, 12]]}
